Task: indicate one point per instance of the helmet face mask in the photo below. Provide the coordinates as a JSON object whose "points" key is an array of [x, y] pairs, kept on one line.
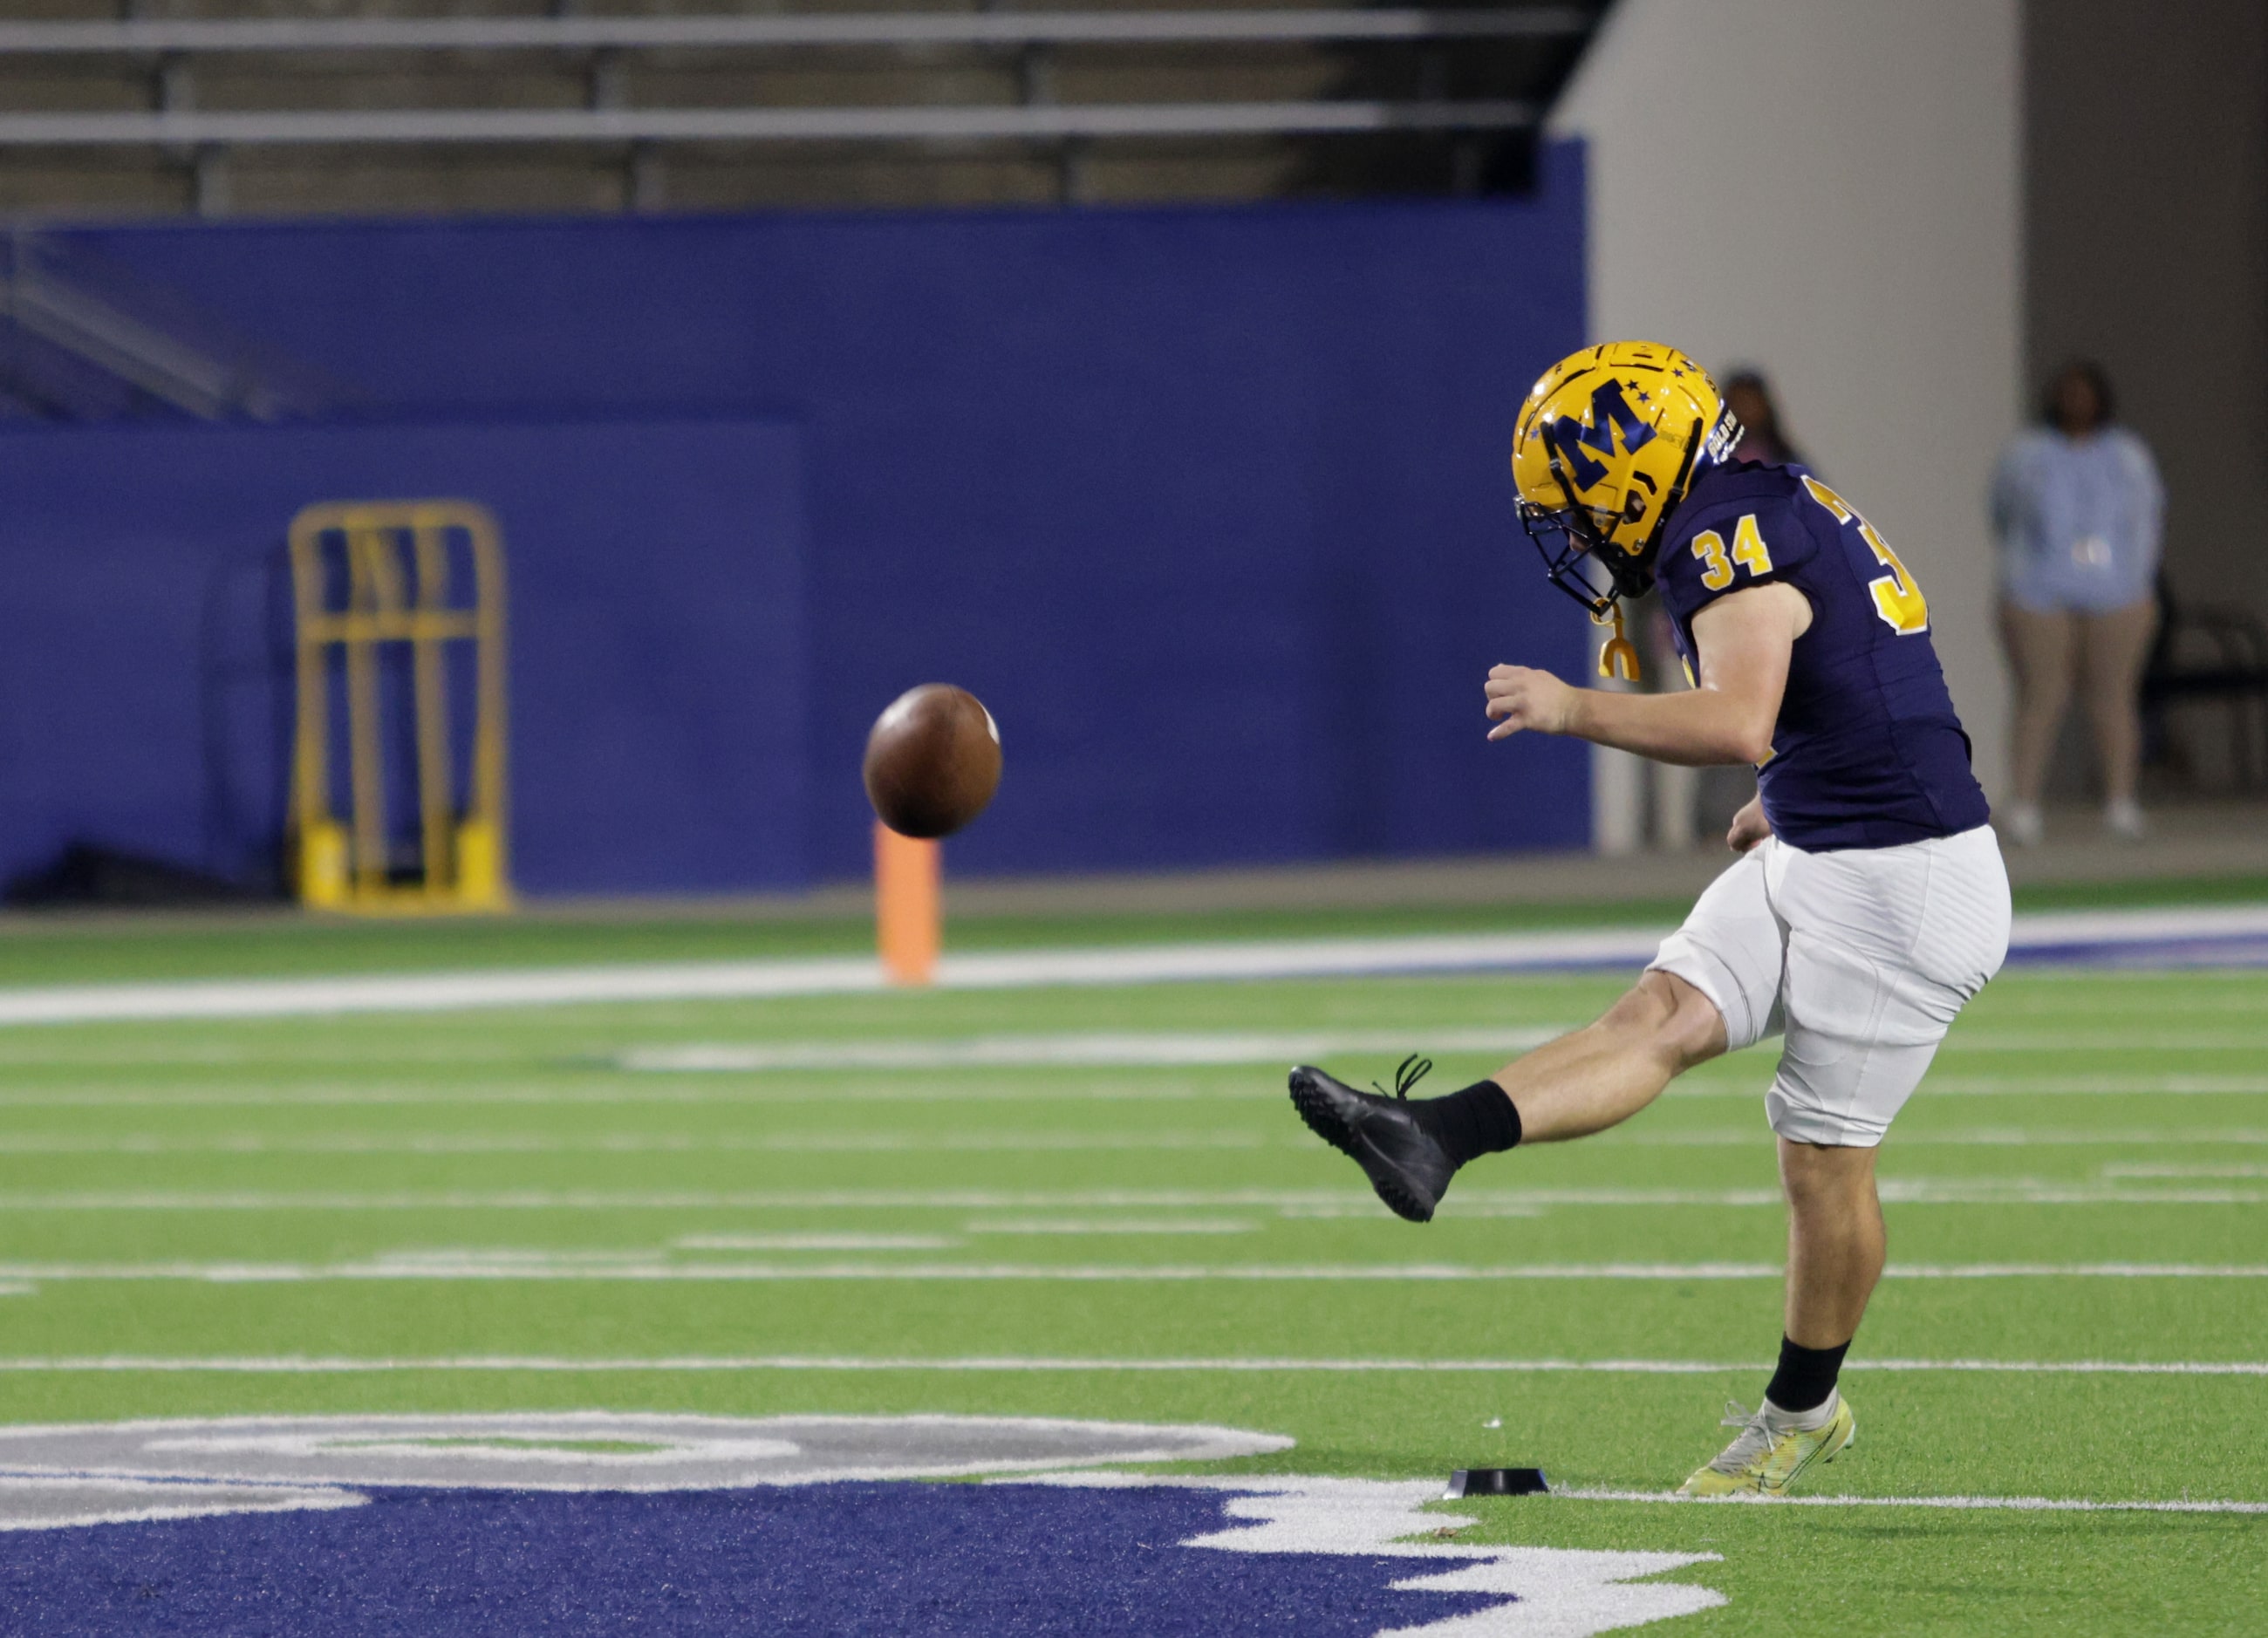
{"points": [[1606, 446], [1569, 541]]}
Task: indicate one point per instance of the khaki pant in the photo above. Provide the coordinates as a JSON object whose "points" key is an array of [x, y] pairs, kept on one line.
{"points": [[2104, 653]]}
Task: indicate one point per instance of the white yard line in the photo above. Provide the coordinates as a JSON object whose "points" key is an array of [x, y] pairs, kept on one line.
{"points": [[2197, 992], [1171, 1050], [2014, 1503], [2062, 935], [34, 1051], [698, 1092], [435, 991], [816, 1243], [481, 1265], [1159, 1049], [2072, 1002], [462, 990], [1900, 1191], [478, 1264], [640, 1144], [1721, 1084], [2096, 1086], [133, 1143], [688, 1093], [1986, 1040], [1012, 1364], [1112, 1226], [2054, 929], [1989, 1137]]}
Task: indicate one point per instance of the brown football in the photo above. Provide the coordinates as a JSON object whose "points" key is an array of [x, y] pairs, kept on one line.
{"points": [[932, 760]]}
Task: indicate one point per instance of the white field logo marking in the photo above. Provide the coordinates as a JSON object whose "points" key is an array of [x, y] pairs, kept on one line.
{"points": [[602, 1449], [57, 1477], [1561, 1592]]}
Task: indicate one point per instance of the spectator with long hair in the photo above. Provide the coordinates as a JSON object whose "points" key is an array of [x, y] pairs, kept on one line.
{"points": [[2077, 508], [1749, 397]]}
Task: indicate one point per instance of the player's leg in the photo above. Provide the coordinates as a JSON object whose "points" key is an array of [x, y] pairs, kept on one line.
{"points": [[2042, 647], [1835, 1247], [1885, 947], [1583, 1082], [1606, 1072], [1836, 1242], [1712, 988], [2113, 648]]}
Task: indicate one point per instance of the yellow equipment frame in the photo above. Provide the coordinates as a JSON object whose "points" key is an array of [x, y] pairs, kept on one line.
{"points": [[397, 562]]}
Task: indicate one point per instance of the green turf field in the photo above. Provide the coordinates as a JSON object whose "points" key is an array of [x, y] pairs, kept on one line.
{"points": [[191, 1212]]}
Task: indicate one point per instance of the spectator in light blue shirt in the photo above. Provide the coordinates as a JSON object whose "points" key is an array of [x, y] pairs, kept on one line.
{"points": [[2077, 506]]}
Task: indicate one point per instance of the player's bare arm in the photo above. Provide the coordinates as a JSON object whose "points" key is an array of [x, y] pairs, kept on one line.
{"points": [[1745, 642]]}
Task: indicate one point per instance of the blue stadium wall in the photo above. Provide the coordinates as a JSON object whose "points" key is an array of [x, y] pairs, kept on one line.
{"points": [[1208, 505]]}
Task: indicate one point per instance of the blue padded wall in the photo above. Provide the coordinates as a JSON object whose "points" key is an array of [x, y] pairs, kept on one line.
{"points": [[1208, 505], [658, 717]]}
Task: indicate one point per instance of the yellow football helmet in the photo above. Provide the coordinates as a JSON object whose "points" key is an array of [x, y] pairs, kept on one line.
{"points": [[1604, 450]]}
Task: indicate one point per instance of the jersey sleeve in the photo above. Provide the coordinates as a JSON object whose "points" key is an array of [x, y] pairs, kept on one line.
{"points": [[1730, 548]]}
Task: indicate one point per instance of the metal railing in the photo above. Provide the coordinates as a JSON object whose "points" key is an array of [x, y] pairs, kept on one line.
{"points": [[172, 124], [906, 30], [903, 123], [102, 344]]}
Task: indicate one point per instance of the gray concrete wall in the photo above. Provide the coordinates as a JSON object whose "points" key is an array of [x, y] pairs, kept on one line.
{"points": [[1830, 190], [2146, 247]]}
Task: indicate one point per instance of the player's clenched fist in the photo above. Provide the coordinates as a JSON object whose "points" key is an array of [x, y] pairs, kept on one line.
{"points": [[1750, 826], [1526, 698]]}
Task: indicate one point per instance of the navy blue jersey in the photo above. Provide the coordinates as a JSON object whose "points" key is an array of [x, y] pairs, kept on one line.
{"points": [[1867, 752]]}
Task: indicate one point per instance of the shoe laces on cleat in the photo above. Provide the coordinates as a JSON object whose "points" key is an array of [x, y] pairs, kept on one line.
{"points": [[1406, 1076], [1754, 1444]]}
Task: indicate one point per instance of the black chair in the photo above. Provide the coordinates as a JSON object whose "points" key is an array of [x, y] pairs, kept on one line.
{"points": [[2217, 655]]}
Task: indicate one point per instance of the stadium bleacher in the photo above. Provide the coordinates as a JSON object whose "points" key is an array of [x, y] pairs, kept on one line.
{"points": [[528, 107]]}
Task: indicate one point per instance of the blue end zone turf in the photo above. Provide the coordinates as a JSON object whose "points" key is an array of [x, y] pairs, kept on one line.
{"points": [[983, 1561], [2150, 956]]}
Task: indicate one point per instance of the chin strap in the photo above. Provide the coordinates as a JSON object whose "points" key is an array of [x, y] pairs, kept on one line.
{"points": [[1617, 655]]}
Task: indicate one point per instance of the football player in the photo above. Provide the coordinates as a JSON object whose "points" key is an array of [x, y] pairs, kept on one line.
{"points": [[1869, 902]]}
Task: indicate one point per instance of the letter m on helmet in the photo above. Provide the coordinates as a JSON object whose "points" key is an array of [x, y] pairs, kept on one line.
{"points": [[1575, 444]]}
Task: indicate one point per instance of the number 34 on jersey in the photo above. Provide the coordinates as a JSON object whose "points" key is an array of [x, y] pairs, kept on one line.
{"points": [[1898, 597]]}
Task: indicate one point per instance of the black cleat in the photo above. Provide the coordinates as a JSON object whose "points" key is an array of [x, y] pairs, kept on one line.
{"points": [[1406, 1165]]}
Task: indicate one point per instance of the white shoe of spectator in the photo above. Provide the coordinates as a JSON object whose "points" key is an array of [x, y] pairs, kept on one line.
{"points": [[2122, 819], [2021, 824]]}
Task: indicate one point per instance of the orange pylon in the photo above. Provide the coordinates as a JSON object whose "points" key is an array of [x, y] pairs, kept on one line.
{"points": [[909, 906]]}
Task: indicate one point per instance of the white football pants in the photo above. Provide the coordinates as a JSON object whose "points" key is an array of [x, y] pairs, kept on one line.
{"points": [[1862, 958]]}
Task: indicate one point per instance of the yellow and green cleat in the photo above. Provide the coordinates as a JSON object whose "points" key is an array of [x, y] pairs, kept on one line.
{"points": [[1765, 1462]]}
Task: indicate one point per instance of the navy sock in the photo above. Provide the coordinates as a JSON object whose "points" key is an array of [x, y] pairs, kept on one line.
{"points": [[1806, 1376], [1479, 1120]]}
